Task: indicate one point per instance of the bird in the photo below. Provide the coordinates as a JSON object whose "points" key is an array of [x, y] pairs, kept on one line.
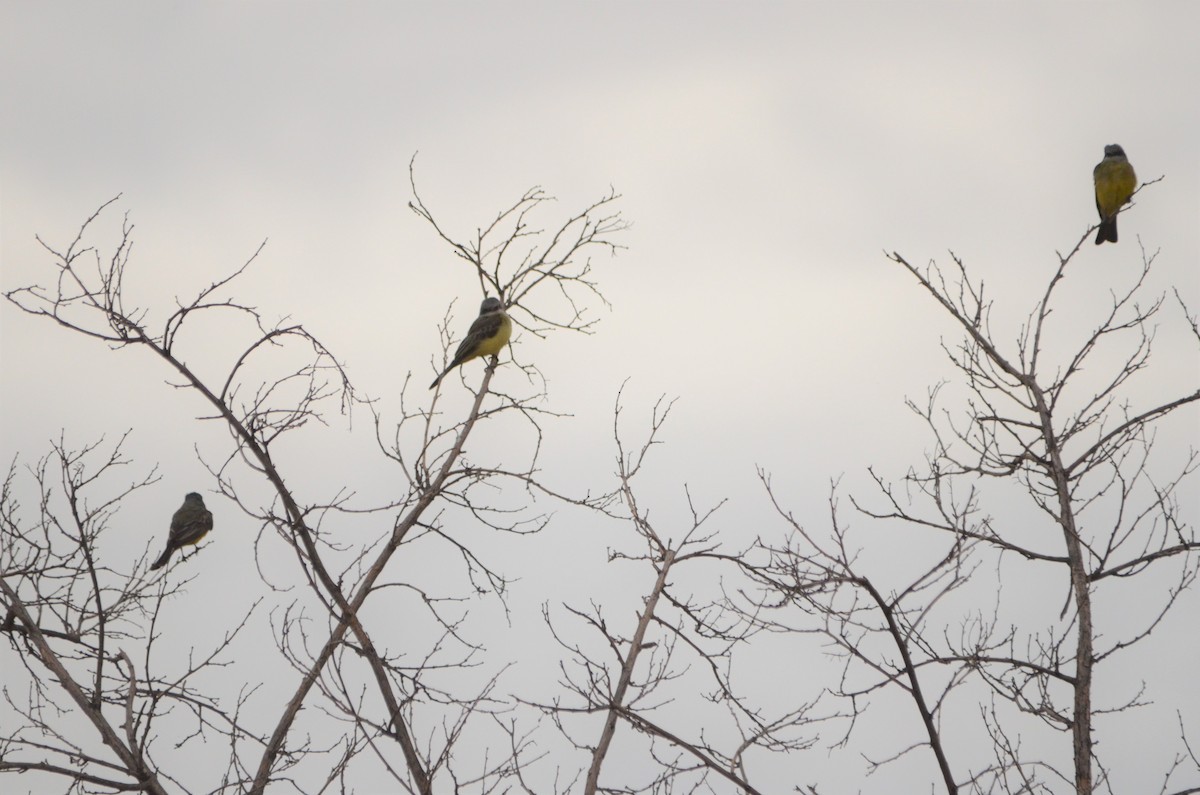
{"points": [[486, 337], [1115, 182], [189, 524]]}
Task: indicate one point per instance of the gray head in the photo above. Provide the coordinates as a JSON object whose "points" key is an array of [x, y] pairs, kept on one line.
{"points": [[490, 305], [192, 496], [1114, 150]]}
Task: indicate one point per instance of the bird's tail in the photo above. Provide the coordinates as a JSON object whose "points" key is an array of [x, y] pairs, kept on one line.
{"points": [[162, 559], [1107, 233]]}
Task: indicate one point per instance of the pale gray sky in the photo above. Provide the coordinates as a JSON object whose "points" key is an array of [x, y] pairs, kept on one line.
{"points": [[767, 155]]}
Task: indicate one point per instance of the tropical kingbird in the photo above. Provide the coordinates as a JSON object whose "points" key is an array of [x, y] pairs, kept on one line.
{"points": [[487, 335], [189, 524], [1115, 182]]}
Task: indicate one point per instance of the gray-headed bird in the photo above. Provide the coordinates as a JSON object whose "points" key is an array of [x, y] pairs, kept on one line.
{"points": [[1115, 182], [189, 524], [487, 335]]}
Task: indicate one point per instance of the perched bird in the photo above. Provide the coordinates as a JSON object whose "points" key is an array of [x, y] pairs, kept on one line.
{"points": [[189, 524], [488, 334], [1115, 182]]}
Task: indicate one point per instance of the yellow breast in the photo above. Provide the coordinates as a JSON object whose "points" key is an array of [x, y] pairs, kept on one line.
{"points": [[492, 345], [1115, 182]]}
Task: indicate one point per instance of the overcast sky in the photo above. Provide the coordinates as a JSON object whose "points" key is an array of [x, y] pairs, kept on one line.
{"points": [[767, 155]]}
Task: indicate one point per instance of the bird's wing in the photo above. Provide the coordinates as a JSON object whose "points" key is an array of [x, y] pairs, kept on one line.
{"points": [[192, 531], [484, 328]]}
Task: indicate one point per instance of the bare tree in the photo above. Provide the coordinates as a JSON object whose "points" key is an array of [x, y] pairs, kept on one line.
{"points": [[1076, 441], [399, 698], [1044, 471], [91, 710], [668, 673]]}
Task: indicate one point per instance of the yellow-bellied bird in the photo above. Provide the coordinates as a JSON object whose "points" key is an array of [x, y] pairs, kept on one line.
{"points": [[487, 335], [189, 524], [1115, 182]]}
